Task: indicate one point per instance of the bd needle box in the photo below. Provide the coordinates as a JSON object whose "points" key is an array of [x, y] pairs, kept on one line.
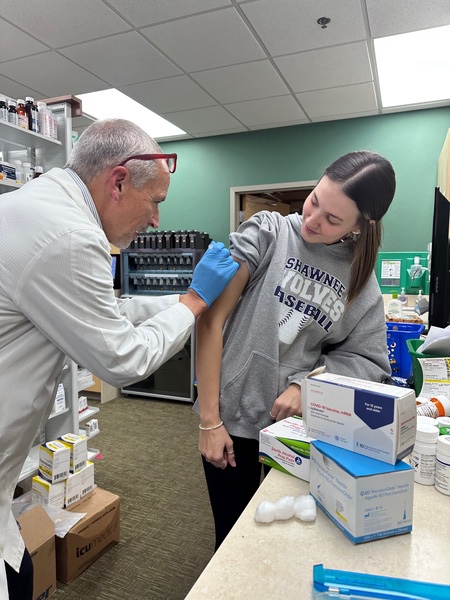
{"points": [[373, 419], [285, 447], [366, 498]]}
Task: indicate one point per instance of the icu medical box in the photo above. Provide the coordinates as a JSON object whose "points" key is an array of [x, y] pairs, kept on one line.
{"points": [[366, 498], [54, 461], [285, 446], [373, 419]]}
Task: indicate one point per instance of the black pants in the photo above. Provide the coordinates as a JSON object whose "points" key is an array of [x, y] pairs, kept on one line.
{"points": [[20, 585], [231, 489]]}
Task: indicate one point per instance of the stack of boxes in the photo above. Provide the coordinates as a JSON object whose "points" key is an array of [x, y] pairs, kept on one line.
{"points": [[358, 432], [65, 474]]}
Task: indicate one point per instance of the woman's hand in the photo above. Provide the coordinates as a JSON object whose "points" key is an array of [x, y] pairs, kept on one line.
{"points": [[287, 404], [216, 446]]}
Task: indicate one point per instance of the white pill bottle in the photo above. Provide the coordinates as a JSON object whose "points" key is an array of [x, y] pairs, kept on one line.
{"points": [[442, 474], [423, 456]]}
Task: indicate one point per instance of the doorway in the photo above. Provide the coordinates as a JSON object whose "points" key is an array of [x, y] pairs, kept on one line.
{"points": [[284, 197]]}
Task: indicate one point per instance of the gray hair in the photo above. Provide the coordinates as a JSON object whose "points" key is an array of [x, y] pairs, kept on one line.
{"points": [[105, 144]]}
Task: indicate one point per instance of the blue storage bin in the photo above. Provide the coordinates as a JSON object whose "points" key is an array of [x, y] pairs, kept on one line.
{"points": [[399, 356]]}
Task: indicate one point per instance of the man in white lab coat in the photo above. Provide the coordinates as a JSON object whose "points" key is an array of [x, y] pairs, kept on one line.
{"points": [[57, 297]]}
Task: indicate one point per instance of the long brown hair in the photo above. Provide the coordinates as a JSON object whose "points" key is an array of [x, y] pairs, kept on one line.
{"points": [[369, 180]]}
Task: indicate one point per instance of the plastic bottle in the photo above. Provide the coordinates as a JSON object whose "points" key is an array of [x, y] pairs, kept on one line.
{"points": [[3, 109], [416, 269], [22, 117], [423, 456], [19, 172], [43, 119], [403, 298], [443, 421], [32, 114], [394, 306], [427, 420], [38, 170], [12, 112], [442, 471], [28, 172], [435, 407]]}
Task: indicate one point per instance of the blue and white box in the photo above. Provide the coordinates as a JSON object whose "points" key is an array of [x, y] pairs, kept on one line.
{"points": [[366, 498], [373, 419]]}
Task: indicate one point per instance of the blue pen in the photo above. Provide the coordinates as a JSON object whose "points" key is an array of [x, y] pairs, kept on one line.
{"points": [[376, 586]]}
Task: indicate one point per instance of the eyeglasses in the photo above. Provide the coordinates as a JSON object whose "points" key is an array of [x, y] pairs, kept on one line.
{"points": [[171, 159]]}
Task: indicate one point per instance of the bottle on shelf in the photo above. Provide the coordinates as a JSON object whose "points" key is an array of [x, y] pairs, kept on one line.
{"points": [[3, 109], [38, 170], [28, 172], [22, 117], [12, 112], [403, 297], [19, 172], [394, 306], [43, 119], [32, 114]]}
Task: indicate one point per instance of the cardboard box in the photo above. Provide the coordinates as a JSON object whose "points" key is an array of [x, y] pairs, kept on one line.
{"points": [[254, 204], [78, 450], [72, 489], [372, 419], [54, 461], [38, 533], [91, 537], [366, 498], [44, 492], [285, 447]]}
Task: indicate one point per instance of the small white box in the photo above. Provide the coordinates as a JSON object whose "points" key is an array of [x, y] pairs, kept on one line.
{"points": [[87, 478], [373, 419], [59, 405], [82, 403], [44, 492], [72, 489], [54, 461], [77, 445], [285, 446], [366, 498]]}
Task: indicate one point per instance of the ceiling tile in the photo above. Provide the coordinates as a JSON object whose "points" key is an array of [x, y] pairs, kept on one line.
{"points": [[56, 75], [267, 111], [143, 12], [63, 25], [340, 101], [291, 26], [15, 43], [12, 89], [169, 95], [204, 120], [326, 67], [122, 59], [206, 41], [242, 82], [390, 17]]}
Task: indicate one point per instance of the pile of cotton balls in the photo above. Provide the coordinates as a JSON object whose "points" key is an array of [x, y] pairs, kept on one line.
{"points": [[302, 507]]}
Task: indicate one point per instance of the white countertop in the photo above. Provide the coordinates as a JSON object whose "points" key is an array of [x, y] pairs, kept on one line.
{"points": [[275, 560]]}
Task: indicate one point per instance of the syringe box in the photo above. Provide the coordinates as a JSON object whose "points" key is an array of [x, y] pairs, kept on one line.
{"points": [[373, 419], [366, 498]]}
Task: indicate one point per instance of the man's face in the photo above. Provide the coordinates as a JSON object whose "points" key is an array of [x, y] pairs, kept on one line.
{"points": [[139, 209]]}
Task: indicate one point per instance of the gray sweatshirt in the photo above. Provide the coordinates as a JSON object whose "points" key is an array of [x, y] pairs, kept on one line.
{"points": [[292, 318]]}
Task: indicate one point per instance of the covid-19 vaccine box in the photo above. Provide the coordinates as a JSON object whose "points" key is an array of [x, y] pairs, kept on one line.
{"points": [[366, 498], [285, 446], [373, 419]]}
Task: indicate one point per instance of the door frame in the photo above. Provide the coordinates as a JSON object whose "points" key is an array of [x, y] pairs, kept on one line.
{"points": [[237, 191]]}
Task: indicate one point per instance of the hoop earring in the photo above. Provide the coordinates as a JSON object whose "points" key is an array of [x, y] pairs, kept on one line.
{"points": [[352, 235]]}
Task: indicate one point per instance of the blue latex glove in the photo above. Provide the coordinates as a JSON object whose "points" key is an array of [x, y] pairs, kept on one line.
{"points": [[213, 273]]}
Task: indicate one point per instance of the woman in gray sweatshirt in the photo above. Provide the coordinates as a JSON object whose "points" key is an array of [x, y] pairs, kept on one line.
{"points": [[305, 296]]}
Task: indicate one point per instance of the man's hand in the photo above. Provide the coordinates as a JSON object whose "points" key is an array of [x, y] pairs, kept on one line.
{"points": [[213, 273]]}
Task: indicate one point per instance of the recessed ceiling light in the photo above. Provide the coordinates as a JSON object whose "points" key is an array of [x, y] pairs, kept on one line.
{"points": [[112, 104], [413, 67]]}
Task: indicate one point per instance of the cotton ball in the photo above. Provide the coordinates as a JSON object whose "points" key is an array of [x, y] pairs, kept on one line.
{"points": [[265, 512], [305, 508], [284, 508]]}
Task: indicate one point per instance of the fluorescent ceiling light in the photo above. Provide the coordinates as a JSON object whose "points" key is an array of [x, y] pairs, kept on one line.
{"points": [[112, 104], [414, 68]]}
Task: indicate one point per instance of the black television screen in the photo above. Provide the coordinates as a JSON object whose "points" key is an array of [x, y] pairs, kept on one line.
{"points": [[439, 307]]}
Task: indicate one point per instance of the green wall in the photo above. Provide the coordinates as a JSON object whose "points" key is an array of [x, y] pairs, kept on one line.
{"points": [[199, 194]]}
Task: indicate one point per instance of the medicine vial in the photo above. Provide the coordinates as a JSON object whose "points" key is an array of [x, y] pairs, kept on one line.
{"points": [[3, 109], [442, 474], [12, 112], [32, 114], [423, 456], [435, 407], [22, 117]]}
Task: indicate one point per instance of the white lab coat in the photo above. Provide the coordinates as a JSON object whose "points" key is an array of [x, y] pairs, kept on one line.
{"points": [[57, 299]]}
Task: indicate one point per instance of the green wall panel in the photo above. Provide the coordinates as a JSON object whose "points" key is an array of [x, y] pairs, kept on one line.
{"points": [[199, 194]]}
